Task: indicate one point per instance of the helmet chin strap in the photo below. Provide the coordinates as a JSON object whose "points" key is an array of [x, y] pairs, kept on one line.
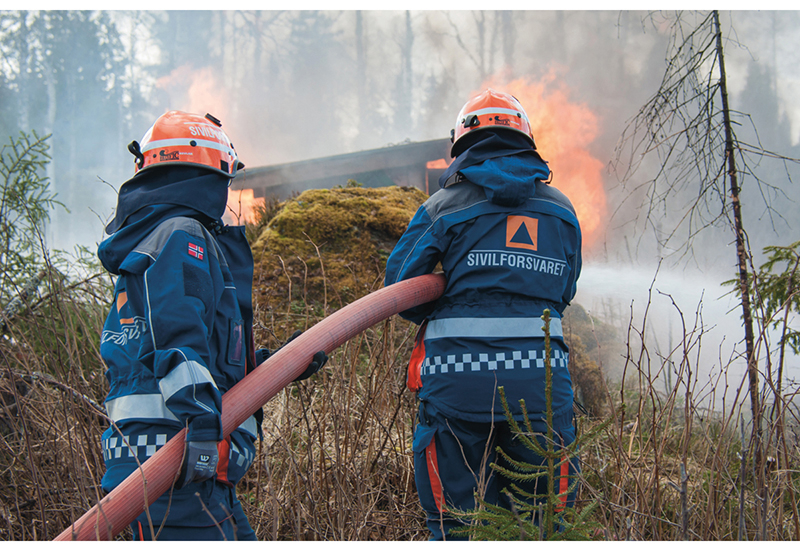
{"points": [[134, 148]]}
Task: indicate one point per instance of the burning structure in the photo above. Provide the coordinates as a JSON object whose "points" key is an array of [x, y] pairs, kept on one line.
{"points": [[414, 164], [564, 131]]}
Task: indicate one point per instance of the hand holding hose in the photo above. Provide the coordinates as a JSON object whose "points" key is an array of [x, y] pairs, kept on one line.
{"points": [[317, 361], [199, 463]]}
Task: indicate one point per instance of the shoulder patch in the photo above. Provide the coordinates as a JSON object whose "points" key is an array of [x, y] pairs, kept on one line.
{"points": [[201, 243], [196, 282], [196, 251]]}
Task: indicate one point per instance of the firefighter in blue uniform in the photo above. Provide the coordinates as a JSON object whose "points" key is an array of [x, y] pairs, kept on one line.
{"points": [[179, 332], [510, 247]]}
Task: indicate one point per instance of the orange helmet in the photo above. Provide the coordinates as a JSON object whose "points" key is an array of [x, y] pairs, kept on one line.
{"points": [[178, 138], [491, 109]]}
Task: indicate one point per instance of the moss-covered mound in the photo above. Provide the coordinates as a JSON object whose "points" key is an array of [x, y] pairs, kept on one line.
{"points": [[326, 248], [587, 337]]}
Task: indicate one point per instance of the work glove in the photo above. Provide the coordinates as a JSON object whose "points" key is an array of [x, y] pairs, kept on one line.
{"points": [[317, 361], [199, 463]]}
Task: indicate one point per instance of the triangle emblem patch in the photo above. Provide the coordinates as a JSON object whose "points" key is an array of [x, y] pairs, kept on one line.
{"points": [[522, 232]]}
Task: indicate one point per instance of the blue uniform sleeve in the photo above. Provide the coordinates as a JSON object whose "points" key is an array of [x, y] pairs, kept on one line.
{"points": [[180, 302], [575, 264], [419, 250], [576, 272]]}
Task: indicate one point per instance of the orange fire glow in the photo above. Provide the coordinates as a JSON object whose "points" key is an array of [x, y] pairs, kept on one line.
{"points": [[195, 91], [438, 163], [200, 91], [563, 130], [241, 206]]}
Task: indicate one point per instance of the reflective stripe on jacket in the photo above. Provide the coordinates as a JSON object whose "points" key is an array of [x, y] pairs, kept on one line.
{"points": [[504, 266], [176, 339]]}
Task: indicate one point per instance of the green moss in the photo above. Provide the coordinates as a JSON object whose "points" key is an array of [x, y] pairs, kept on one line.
{"points": [[326, 248], [330, 245]]}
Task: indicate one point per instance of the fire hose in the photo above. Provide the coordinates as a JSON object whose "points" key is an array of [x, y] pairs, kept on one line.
{"points": [[127, 501]]}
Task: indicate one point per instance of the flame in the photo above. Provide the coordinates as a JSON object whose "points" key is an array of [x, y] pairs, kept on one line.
{"points": [[563, 130], [196, 91], [241, 207], [200, 91], [438, 163]]}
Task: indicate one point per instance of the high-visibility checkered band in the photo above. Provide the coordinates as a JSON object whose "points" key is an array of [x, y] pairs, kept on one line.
{"points": [[151, 407], [141, 446], [250, 426], [241, 457], [467, 363], [490, 328]]}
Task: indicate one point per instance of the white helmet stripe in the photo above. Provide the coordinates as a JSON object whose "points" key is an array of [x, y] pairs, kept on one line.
{"points": [[186, 141], [501, 110]]}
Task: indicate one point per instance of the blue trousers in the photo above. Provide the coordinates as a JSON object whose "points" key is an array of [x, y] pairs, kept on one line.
{"points": [[204, 511], [452, 460]]}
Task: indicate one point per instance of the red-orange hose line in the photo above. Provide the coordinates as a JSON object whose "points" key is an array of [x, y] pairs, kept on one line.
{"points": [[127, 501]]}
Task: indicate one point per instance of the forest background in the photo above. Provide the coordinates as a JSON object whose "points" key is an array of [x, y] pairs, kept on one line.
{"points": [[294, 85]]}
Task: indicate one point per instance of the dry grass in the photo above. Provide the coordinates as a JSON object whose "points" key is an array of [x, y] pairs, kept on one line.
{"points": [[671, 467], [50, 422], [336, 462]]}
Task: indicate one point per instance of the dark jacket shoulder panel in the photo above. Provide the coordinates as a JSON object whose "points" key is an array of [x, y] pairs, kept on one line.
{"points": [[547, 192], [453, 199], [154, 243]]}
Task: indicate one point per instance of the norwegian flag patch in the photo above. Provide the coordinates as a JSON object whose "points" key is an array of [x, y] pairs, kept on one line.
{"points": [[196, 251]]}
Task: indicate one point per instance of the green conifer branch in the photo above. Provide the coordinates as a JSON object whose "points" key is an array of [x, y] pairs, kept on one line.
{"points": [[534, 516]]}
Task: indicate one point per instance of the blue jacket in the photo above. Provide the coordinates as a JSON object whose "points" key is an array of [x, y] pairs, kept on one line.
{"points": [[510, 247], [177, 337]]}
